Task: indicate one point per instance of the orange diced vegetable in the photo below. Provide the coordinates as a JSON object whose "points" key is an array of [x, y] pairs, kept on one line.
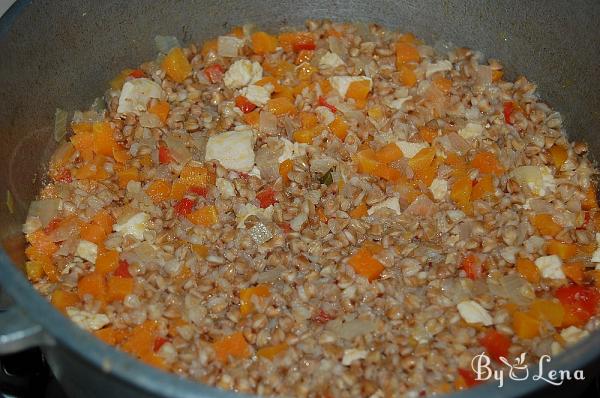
{"points": [[61, 299], [34, 270], [252, 118], [388, 153], [590, 201], [304, 56], [178, 189], [126, 175], [105, 220], [359, 211], [271, 352], [472, 266], [200, 250], [140, 341], [195, 176], [496, 344], [525, 325], [284, 169], [176, 65], [93, 233], [549, 310], [407, 76], [339, 127], [528, 270], [304, 136], [545, 224], [443, 84], [107, 262], [92, 284], [160, 109], [483, 189], [406, 52], [366, 161], [296, 41], [246, 305], [111, 335], [159, 191], [304, 71], [487, 162], [365, 264], [263, 43], [559, 155], [422, 160], [244, 104], [205, 216], [83, 140], [119, 288], [209, 46], [561, 249], [280, 106], [308, 120], [358, 90], [388, 173], [428, 134], [104, 142], [234, 345], [497, 75], [575, 272], [460, 192], [41, 243]]}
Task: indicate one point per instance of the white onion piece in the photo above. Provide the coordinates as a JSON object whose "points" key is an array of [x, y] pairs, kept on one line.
{"points": [[178, 150], [66, 230], [267, 123], [45, 209]]}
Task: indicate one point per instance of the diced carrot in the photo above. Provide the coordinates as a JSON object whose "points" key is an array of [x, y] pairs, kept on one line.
{"points": [[427, 174], [308, 119], [200, 250], [34, 270], [140, 341], [284, 169], [120, 154], [195, 176], [263, 43], [496, 344], [83, 140], [304, 136], [388, 153], [205, 216], [460, 192], [590, 202], [487, 162], [321, 214], [246, 305], [160, 109], [111, 335], [458, 164], [359, 211], [280, 106], [105, 220], [359, 90], [422, 160], [304, 72], [443, 84], [407, 76], [159, 191], [118, 288], [92, 284], [339, 127], [41, 243], [579, 302], [575, 271], [388, 173], [528, 270], [93, 233], [563, 250], [176, 65], [252, 118], [61, 299], [234, 345], [271, 352], [209, 46], [178, 189], [545, 225], [365, 264], [466, 379], [428, 134], [126, 175], [483, 189], [497, 75], [104, 142], [107, 262], [164, 155], [366, 161], [548, 310], [559, 155], [525, 325], [405, 53]]}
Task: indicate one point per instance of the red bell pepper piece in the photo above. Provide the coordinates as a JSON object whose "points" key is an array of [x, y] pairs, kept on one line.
{"points": [[468, 376], [123, 269], [304, 42], [214, 73], [580, 303], [137, 73], [244, 104], [164, 155], [159, 342], [64, 176], [184, 206], [200, 191], [323, 102], [509, 107], [266, 198], [471, 266]]}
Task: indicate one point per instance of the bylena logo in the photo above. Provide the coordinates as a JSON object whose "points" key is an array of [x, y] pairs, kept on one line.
{"points": [[520, 371]]}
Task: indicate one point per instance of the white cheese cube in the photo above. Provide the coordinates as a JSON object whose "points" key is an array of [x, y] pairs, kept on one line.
{"points": [[134, 225], [439, 188], [135, 95], [87, 251], [472, 312], [410, 149], [341, 83], [550, 267], [229, 46], [233, 149], [330, 60], [256, 94], [390, 203], [242, 73]]}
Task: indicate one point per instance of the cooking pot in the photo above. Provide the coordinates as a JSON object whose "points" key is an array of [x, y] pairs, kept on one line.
{"points": [[62, 53]]}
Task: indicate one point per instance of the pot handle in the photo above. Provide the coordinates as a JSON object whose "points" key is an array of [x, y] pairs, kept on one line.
{"points": [[17, 332]]}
